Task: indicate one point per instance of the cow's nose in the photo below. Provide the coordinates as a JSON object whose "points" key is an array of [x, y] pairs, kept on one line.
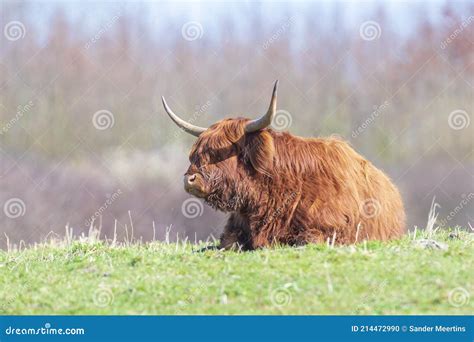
{"points": [[189, 179]]}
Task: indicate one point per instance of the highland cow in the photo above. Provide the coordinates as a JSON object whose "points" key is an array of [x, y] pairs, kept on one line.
{"points": [[284, 189]]}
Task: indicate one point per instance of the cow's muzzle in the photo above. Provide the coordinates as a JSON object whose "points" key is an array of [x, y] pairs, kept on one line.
{"points": [[194, 185]]}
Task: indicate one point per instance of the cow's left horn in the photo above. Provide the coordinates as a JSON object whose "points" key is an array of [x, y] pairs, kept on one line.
{"points": [[186, 126], [266, 120]]}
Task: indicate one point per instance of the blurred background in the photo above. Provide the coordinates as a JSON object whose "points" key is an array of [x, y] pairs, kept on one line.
{"points": [[84, 139]]}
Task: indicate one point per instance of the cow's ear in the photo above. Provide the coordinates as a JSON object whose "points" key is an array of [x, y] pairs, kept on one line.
{"points": [[260, 150]]}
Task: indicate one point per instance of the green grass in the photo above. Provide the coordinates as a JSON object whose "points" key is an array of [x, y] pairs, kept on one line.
{"points": [[157, 278]]}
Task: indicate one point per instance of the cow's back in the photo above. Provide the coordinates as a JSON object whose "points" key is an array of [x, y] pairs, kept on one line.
{"points": [[341, 194]]}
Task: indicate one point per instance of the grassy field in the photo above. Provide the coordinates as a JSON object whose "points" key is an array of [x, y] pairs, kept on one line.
{"points": [[93, 277]]}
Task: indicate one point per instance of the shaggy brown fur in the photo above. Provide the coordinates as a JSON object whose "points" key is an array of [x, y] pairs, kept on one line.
{"points": [[280, 188]]}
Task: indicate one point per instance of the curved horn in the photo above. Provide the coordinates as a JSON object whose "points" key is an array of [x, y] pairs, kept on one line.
{"points": [[186, 126], [266, 120]]}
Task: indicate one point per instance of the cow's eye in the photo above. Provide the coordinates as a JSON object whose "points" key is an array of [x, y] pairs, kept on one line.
{"points": [[213, 155]]}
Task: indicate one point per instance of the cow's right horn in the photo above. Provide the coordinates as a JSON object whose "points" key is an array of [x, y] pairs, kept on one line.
{"points": [[266, 120], [186, 126]]}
